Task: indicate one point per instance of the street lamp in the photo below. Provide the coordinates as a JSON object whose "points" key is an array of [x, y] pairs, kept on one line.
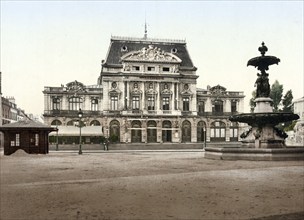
{"points": [[56, 118], [80, 114]]}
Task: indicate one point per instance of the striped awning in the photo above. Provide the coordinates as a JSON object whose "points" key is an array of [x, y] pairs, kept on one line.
{"points": [[74, 131]]}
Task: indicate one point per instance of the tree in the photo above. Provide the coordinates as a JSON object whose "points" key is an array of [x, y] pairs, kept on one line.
{"points": [[287, 102], [276, 94]]}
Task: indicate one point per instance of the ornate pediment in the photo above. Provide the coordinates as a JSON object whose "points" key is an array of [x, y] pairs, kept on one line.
{"points": [[186, 91], [218, 90], [151, 90], [151, 54], [166, 92], [114, 92], [75, 86]]}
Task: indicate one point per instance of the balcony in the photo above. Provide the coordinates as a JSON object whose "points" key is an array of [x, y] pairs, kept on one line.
{"points": [[226, 114], [71, 113], [186, 113]]}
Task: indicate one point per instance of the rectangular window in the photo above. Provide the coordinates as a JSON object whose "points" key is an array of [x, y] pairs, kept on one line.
{"points": [[151, 68], [233, 106], [217, 132], [17, 140], [201, 106], [114, 103], [36, 139], [94, 104], [222, 132], [165, 103], [212, 132], [136, 68], [151, 103], [56, 104], [135, 102], [166, 69], [74, 103], [186, 104]]}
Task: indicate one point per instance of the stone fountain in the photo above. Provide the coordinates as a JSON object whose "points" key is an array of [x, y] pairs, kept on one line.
{"points": [[263, 141]]}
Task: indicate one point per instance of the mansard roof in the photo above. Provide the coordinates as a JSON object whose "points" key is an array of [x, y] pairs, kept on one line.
{"points": [[121, 46]]}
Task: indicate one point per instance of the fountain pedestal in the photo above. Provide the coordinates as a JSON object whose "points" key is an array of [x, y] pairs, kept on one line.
{"points": [[263, 133], [263, 104]]}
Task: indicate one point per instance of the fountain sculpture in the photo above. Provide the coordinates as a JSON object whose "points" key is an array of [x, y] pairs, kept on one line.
{"points": [[263, 141]]}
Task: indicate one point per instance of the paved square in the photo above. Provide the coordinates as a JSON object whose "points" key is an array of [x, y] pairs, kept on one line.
{"points": [[148, 185]]}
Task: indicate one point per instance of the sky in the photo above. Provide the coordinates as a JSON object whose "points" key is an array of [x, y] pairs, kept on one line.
{"points": [[49, 43]]}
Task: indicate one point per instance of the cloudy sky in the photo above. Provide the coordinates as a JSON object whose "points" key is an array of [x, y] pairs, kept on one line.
{"points": [[49, 43]]}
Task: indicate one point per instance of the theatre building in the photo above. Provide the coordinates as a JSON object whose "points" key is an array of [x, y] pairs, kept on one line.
{"points": [[146, 93]]}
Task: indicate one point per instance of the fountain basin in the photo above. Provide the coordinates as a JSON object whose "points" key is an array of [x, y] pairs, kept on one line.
{"points": [[264, 118], [241, 153]]}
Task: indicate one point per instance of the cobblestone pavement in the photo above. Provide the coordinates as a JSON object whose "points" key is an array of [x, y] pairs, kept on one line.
{"points": [[148, 185]]}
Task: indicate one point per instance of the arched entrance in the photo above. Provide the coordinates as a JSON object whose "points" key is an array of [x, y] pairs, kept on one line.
{"points": [[115, 131], [217, 131], [167, 131], [201, 128], [151, 132], [136, 132], [186, 131]]}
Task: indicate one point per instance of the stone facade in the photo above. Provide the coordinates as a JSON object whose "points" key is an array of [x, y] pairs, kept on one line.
{"points": [[147, 93]]}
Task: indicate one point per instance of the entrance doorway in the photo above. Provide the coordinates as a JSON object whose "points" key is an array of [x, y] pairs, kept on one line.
{"points": [[167, 131], [136, 132], [186, 131], [201, 128], [114, 131], [151, 132]]}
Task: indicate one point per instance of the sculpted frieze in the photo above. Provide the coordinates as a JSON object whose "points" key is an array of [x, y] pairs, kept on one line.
{"points": [[151, 53], [75, 86]]}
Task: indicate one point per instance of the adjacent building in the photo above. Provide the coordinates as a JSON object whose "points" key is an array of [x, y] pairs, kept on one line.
{"points": [[146, 93]]}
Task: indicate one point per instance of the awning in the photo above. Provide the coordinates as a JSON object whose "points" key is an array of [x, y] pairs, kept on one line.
{"points": [[74, 131]]}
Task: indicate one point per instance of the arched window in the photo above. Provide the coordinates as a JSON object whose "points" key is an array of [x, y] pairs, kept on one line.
{"points": [[75, 123], [56, 122], [95, 123], [217, 131], [75, 103]]}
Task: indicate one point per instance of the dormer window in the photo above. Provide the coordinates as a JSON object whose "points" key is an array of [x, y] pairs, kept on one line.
{"points": [[151, 68], [166, 69], [135, 68]]}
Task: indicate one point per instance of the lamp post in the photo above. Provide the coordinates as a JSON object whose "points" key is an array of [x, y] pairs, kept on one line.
{"points": [[80, 114], [56, 133]]}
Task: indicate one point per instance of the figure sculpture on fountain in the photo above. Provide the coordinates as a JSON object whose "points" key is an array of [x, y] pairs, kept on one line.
{"points": [[263, 133]]}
